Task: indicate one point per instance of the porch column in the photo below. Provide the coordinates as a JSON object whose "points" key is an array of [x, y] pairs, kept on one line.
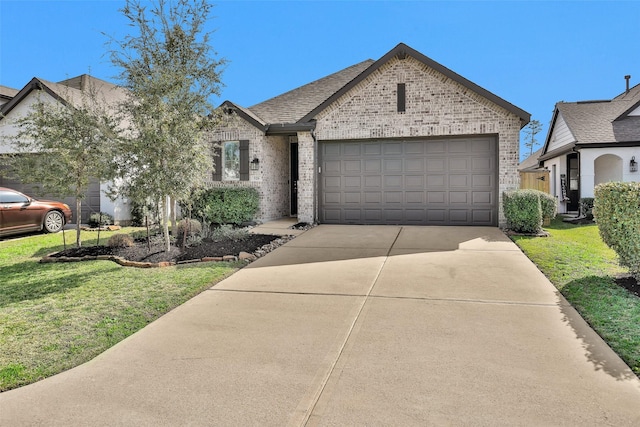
{"points": [[306, 178]]}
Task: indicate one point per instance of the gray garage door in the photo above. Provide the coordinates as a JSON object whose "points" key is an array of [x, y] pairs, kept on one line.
{"points": [[423, 182]]}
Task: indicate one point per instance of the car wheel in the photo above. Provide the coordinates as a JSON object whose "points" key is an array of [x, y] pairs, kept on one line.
{"points": [[53, 222]]}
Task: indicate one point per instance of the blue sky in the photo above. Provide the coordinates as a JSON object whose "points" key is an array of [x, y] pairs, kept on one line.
{"points": [[533, 54]]}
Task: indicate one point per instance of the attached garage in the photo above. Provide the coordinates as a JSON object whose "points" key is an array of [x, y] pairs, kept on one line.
{"points": [[415, 181]]}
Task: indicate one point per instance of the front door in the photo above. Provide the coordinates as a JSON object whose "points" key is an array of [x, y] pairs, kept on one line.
{"points": [[573, 166], [293, 181]]}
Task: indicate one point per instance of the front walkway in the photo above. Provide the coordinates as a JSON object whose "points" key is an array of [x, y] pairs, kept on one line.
{"points": [[355, 325]]}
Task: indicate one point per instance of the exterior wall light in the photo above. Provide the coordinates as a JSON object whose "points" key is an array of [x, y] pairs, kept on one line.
{"points": [[633, 165], [255, 164]]}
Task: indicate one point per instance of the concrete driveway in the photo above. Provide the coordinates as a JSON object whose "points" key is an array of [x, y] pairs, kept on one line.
{"points": [[355, 325]]}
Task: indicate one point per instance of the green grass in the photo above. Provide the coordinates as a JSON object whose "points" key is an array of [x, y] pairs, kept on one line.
{"points": [[59, 315], [583, 268]]}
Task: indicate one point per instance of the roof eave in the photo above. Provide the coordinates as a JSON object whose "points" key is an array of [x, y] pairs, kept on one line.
{"points": [[229, 107], [289, 128], [558, 152]]}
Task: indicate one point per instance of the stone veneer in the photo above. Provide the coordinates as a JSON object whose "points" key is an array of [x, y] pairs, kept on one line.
{"points": [[436, 106]]}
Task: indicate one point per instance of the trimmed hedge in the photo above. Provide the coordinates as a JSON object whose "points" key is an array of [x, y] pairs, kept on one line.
{"points": [[526, 209], [224, 205], [616, 209]]}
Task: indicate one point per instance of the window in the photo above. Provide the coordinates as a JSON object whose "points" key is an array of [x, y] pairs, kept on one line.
{"points": [[12, 197], [231, 161]]}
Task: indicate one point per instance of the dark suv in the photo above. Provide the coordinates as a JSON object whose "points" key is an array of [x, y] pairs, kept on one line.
{"points": [[22, 214]]}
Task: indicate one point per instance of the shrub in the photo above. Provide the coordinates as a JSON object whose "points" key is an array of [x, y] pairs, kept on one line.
{"points": [[186, 228], [139, 210], [228, 232], [224, 205], [616, 209], [548, 204], [525, 209], [99, 219], [586, 207], [120, 241]]}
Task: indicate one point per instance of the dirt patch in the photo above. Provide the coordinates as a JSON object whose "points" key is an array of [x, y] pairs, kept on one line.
{"points": [[141, 252]]}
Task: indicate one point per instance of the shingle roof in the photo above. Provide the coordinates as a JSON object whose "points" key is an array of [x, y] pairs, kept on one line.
{"points": [[595, 121], [291, 106], [8, 92], [69, 91], [531, 162]]}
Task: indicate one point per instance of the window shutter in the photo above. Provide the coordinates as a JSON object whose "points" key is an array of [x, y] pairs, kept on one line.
{"points": [[217, 163], [244, 160]]}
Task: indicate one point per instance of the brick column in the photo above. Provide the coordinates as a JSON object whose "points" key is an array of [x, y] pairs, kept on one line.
{"points": [[307, 177]]}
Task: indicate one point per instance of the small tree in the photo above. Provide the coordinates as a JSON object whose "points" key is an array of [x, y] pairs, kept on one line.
{"points": [[63, 145], [531, 130], [169, 70]]}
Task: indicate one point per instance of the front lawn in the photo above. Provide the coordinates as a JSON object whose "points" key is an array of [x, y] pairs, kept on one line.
{"points": [[57, 316], [584, 269]]}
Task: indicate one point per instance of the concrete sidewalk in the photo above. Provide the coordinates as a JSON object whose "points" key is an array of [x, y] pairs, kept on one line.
{"points": [[355, 325]]}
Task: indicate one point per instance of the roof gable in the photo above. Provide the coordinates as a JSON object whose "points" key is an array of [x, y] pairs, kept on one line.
{"points": [[402, 51], [68, 92]]}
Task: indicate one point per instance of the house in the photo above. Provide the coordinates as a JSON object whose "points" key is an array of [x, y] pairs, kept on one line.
{"points": [[400, 140], [591, 142], [16, 103], [7, 94]]}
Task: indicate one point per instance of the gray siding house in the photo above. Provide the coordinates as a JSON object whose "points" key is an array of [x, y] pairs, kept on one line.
{"points": [[400, 140]]}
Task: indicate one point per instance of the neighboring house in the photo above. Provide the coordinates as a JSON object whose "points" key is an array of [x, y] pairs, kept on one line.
{"points": [[400, 140], [591, 142], [66, 92], [532, 176], [7, 94]]}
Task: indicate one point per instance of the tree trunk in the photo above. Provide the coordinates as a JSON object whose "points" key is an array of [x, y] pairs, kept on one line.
{"points": [[165, 223], [78, 220], [174, 205]]}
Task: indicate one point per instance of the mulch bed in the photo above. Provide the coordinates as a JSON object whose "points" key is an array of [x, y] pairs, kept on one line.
{"points": [[206, 249]]}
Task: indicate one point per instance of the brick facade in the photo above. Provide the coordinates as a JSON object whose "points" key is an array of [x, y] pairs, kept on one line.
{"points": [[436, 106], [272, 178]]}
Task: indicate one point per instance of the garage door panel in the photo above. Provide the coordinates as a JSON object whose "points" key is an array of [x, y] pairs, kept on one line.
{"points": [[414, 165], [414, 181], [352, 150], [436, 147], [392, 181], [459, 216], [459, 181], [392, 165], [458, 197], [373, 181], [352, 166], [374, 149], [482, 198], [436, 164], [373, 166], [432, 182]]}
